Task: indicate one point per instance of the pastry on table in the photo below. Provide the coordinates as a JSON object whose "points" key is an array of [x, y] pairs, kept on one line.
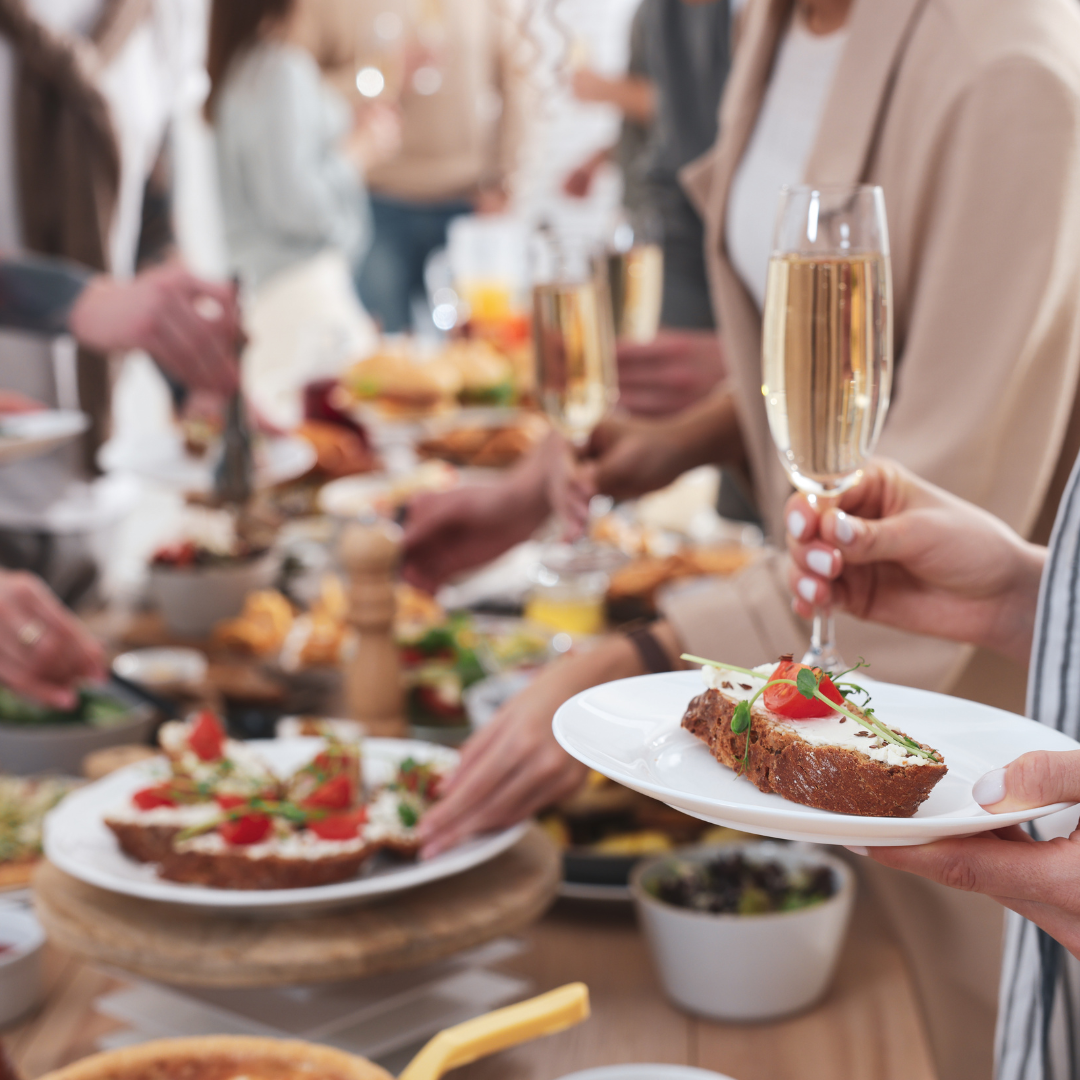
{"points": [[222, 1057]]}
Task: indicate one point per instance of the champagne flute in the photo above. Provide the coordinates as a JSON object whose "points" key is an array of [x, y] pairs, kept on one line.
{"points": [[634, 266], [574, 340], [828, 347], [576, 375]]}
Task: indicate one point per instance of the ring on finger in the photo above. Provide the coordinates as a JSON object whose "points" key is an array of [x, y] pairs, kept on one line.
{"points": [[30, 633]]}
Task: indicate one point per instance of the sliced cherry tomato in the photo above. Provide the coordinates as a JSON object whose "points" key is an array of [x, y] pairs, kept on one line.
{"points": [[340, 826], [230, 802], [249, 829], [785, 700], [207, 738], [334, 794], [152, 797]]}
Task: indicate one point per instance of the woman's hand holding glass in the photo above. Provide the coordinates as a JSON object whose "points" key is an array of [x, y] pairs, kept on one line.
{"points": [[902, 552]]}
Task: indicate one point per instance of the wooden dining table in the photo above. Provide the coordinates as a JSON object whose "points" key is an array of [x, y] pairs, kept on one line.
{"points": [[867, 1027]]}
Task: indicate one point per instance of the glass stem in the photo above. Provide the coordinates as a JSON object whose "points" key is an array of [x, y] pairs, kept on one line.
{"points": [[823, 652]]}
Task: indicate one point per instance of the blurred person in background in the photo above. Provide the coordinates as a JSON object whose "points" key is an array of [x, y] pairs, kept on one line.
{"points": [[971, 124], [292, 153], [87, 91], [634, 95], [457, 73], [681, 52]]}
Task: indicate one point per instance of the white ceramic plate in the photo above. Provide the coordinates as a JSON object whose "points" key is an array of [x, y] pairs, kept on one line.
{"points": [[379, 493], [277, 460], [27, 435], [78, 842], [162, 667], [629, 731]]}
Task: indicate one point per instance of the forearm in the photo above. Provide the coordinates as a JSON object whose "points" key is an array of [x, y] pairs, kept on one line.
{"points": [[635, 98], [707, 434]]}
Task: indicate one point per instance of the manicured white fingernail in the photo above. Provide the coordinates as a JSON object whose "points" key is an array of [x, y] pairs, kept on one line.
{"points": [[845, 531], [796, 524], [856, 850], [819, 561], [989, 789], [807, 589]]}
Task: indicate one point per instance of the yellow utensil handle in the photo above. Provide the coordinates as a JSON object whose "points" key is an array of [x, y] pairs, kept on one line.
{"points": [[498, 1030]]}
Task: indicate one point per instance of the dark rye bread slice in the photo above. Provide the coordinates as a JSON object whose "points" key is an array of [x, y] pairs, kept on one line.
{"points": [[144, 843], [826, 777], [236, 870]]}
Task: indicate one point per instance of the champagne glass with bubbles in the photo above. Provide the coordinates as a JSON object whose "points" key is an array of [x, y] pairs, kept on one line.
{"points": [[827, 347]]}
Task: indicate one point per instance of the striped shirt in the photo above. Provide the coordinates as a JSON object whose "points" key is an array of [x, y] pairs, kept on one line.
{"points": [[1039, 1009]]}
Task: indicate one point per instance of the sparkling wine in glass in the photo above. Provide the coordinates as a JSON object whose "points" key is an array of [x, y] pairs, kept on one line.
{"points": [[574, 341], [827, 347], [634, 266]]}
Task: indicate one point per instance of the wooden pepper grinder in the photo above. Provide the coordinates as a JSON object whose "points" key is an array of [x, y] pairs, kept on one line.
{"points": [[371, 555]]}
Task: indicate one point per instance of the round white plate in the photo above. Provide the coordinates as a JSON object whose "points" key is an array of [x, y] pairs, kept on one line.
{"points": [[647, 1072], [629, 731], [78, 842], [162, 666], [379, 493], [277, 460], [26, 435]]}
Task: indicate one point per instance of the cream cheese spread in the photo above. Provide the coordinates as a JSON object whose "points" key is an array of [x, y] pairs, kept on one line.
{"points": [[832, 730], [384, 822], [292, 845]]}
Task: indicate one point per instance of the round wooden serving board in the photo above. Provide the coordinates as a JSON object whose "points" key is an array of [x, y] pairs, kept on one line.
{"points": [[188, 947]]}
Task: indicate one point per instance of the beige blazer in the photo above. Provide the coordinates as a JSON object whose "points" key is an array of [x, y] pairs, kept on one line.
{"points": [[967, 113]]}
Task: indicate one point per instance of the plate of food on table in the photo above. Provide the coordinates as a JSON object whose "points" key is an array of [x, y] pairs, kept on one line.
{"points": [[787, 750], [24, 802], [605, 829], [401, 383], [268, 825]]}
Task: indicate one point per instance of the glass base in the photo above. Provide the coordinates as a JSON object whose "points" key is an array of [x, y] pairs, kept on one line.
{"points": [[823, 652], [828, 659]]}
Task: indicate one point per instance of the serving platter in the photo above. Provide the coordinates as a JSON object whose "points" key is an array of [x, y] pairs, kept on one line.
{"points": [[30, 434], [77, 841], [630, 731]]}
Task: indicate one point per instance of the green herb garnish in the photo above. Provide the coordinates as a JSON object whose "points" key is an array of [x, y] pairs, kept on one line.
{"points": [[808, 683]]}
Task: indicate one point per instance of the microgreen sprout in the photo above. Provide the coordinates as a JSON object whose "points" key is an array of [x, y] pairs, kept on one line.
{"points": [[808, 683]]}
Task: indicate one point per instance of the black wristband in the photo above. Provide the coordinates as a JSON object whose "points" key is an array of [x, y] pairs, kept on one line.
{"points": [[38, 293], [652, 653]]}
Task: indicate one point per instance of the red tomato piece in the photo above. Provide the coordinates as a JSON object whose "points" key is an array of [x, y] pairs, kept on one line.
{"points": [[207, 738], [785, 700], [249, 829], [152, 797], [230, 802], [340, 826], [334, 794]]}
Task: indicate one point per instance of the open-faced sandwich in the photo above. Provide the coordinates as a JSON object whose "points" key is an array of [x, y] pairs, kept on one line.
{"points": [[223, 819], [796, 732]]}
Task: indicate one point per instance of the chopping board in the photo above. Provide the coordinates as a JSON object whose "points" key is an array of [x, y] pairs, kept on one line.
{"points": [[190, 947]]}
